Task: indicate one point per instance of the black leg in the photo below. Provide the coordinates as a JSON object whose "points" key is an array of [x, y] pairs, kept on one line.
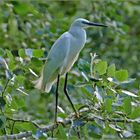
{"points": [[66, 93], [56, 99]]}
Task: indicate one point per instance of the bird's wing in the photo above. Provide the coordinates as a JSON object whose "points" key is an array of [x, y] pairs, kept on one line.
{"points": [[56, 58]]}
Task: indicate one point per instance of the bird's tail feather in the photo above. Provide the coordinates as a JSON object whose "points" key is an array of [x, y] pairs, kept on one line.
{"points": [[40, 85]]}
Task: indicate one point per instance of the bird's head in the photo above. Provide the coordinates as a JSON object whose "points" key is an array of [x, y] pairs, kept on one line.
{"points": [[80, 22]]}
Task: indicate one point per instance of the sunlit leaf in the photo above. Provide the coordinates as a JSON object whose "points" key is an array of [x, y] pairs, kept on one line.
{"points": [[21, 53], [101, 67], [135, 112], [111, 70], [108, 104], [10, 55], [23, 8], [129, 93], [61, 132], [115, 127], [98, 93], [121, 75], [38, 53]]}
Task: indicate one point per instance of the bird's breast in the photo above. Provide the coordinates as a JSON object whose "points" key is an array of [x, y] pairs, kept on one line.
{"points": [[76, 45]]}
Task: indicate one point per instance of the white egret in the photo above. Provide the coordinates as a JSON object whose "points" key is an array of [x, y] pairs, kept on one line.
{"points": [[62, 56]]}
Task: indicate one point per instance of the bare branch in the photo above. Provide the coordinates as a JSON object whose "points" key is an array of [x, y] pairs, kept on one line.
{"points": [[26, 121], [17, 136]]}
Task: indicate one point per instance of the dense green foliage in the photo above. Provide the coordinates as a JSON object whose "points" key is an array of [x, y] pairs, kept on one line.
{"points": [[107, 84]]}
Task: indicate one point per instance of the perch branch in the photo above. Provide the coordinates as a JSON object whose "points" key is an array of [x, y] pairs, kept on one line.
{"points": [[66, 121]]}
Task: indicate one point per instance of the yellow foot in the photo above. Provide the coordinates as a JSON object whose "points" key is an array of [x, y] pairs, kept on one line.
{"points": [[77, 115], [58, 122]]}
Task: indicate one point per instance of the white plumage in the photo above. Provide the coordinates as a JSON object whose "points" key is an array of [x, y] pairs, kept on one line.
{"points": [[64, 53]]}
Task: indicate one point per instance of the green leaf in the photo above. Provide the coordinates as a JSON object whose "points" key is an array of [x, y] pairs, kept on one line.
{"points": [[38, 53], [2, 102], [20, 79], [115, 127], [23, 8], [10, 55], [21, 53], [61, 132], [121, 75], [108, 104], [1, 52], [135, 112], [83, 65], [127, 105], [111, 70], [101, 67], [2, 121], [11, 58], [98, 93], [136, 128], [94, 131]]}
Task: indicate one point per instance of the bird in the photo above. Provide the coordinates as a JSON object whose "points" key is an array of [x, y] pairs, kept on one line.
{"points": [[61, 57]]}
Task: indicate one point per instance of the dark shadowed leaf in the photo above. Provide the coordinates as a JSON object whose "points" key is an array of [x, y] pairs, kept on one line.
{"points": [[2, 121], [38, 134], [2, 102], [83, 65], [94, 131], [2, 52], [78, 123]]}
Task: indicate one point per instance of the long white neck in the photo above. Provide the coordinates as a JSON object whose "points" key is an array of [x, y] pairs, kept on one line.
{"points": [[79, 36], [77, 31]]}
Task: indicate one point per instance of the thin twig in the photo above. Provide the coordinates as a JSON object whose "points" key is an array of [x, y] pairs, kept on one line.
{"points": [[26, 121], [12, 129], [17, 136], [77, 132], [5, 87]]}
